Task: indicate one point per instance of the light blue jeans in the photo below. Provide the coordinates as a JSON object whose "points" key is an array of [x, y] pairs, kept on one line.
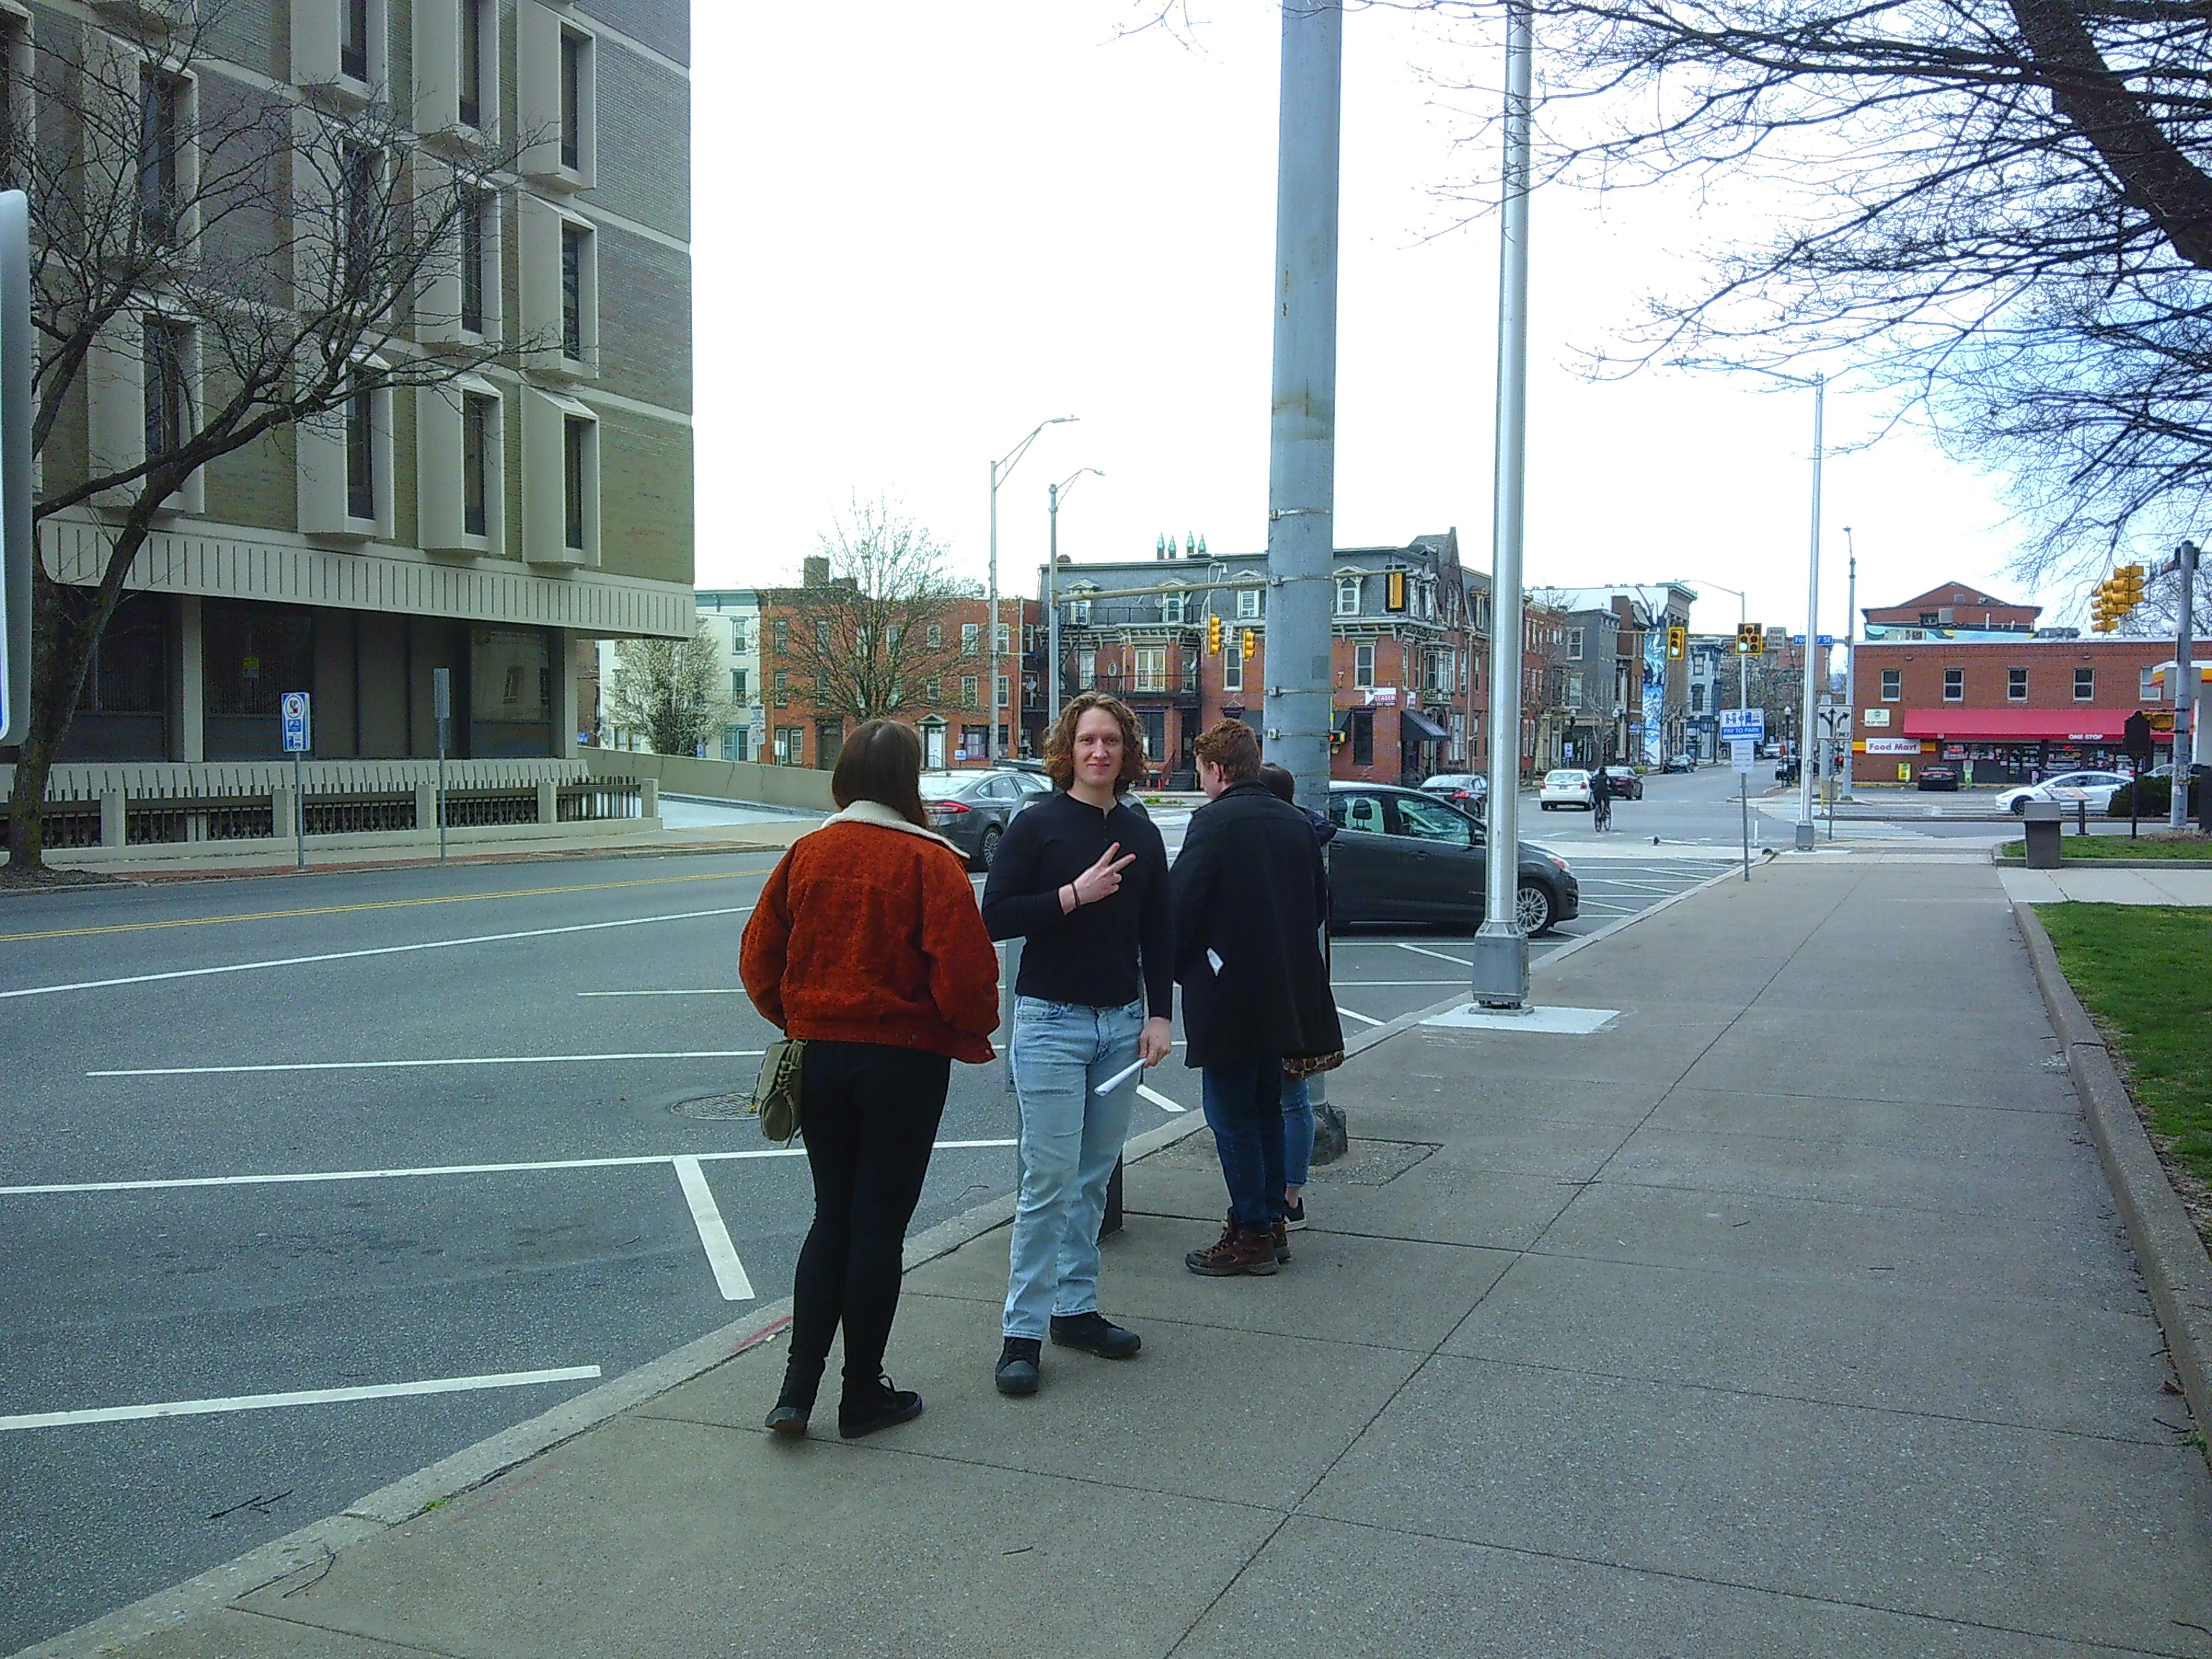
{"points": [[1070, 1140]]}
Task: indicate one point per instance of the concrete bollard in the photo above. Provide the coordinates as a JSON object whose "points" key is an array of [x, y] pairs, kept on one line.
{"points": [[549, 801], [282, 803], [2044, 821], [649, 798], [425, 809], [114, 822]]}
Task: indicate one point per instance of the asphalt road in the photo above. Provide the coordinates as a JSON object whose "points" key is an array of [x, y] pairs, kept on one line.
{"points": [[359, 1169]]}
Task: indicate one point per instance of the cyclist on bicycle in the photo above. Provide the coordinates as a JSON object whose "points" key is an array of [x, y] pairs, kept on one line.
{"points": [[1601, 801]]}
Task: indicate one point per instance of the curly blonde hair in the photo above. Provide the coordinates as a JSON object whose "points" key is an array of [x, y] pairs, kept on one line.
{"points": [[1060, 742]]}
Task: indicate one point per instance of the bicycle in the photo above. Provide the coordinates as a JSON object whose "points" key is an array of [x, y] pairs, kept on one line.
{"points": [[1602, 814]]}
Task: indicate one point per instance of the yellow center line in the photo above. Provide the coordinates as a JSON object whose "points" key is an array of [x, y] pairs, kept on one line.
{"points": [[377, 904]]}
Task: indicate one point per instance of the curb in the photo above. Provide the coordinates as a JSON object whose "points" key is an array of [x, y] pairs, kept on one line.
{"points": [[2175, 1268], [473, 1466]]}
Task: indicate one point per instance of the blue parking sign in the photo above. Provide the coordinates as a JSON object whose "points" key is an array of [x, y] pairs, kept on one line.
{"points": [[299, 731]]}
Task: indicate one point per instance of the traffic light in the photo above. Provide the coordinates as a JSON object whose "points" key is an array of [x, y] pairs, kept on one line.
{"points": [[2128, 585], [1677, 644], [2102, 618], [1248, 644], [1750, 639], [1214, 635]]}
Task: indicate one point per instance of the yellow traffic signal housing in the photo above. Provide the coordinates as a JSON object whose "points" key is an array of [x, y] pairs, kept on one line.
{"points": [[1750, 639], [1677, 644], [1250, 643], [2128, 585], [1393, 591], [1214, 635]]}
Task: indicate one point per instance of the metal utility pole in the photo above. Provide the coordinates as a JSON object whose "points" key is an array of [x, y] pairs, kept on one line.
{"points": [[1851, 670], [1500, 976], [1302, 421], [2185, 687], [1805, 727], [1000, 469], [1052, 597]]}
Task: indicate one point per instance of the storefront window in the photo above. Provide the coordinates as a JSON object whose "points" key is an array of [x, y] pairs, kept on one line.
{"points": [[122, 712], [510, 694], [252, 654]]}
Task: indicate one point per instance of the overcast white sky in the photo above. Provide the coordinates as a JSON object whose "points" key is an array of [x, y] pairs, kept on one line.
{"points": [[921, 229]]}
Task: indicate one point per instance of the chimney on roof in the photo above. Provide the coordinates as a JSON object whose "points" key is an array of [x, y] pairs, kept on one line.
{"points": [[814, 572]]}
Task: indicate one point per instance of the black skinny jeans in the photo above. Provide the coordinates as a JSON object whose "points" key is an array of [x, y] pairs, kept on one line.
{"points": [[870, 1112]]}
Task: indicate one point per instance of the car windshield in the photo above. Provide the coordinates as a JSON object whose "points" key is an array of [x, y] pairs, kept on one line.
{"points": [[1567, 777]]}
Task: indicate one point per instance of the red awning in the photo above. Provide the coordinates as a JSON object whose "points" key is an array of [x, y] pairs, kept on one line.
{"points": [[2018, 725]]}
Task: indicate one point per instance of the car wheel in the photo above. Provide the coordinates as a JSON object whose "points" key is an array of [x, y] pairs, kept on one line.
{"points": [[988, 848], [1546, 804], [2019, 808], [1533, 909]]}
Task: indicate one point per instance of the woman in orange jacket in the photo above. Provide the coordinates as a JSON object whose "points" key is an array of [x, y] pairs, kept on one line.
{"points": [[866, 943]]}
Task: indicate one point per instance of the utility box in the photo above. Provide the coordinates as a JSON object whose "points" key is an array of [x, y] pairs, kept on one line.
{"points": [[2044, 821]]}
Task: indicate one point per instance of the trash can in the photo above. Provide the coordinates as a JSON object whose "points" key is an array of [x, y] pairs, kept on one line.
{"points": [[2044, 820]]}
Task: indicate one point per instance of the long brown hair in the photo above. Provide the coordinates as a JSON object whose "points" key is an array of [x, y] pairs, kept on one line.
{"points": [[882, 762], [1060, 745]]}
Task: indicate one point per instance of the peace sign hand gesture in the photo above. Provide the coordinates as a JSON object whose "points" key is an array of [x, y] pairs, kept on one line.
{"points": [[1102, 879]]}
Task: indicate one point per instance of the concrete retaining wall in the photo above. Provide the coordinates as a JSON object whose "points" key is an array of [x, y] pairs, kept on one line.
{"points": [[798, 786]]}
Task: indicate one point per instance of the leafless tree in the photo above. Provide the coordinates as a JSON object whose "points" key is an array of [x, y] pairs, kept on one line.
{"points": [[870, 638], [671, 690], [260, 257]]}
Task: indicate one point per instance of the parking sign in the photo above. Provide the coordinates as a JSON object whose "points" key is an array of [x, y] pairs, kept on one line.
{"points": [[299, 731], [1743, 723]]}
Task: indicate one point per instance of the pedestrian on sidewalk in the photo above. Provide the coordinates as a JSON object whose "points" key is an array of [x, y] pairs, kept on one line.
{"points": [[866, 943], [1082, 879], [1297, 1095], [1250, 893]]}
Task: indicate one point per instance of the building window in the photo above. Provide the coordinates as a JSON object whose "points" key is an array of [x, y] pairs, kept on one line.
{"points": [[932, 691], [1005, 697], [1232, 667], [1086, 670], [169, 419], [1574, 645], [1171, 609], [937, 636], [353, 45], [575, 480], [782, 682], [2017, 684], [1574, 691], [791, 746], [1931, 619], [2085, 685], [1079, 613], [162, 154], [361, 455], [1892, 687], [472, 45], [475, 246], [479, 419], [1347, 596], [1362, 724], [971, 638], [574, 253], [1004, 635], [1151, 668], [1363, 666], [738, 687], [736, 743], [360, 211], [1248, 603], [1954, 685], [1697, 700], [968, 688], [2147, 686], [576, 70]]}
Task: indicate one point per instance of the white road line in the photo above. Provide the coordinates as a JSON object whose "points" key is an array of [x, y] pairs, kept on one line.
{"points": [[412, 1065], [721, 1253], [1366, 984], [1365, 1019], [262, 1402], [313, 1176], [1423, 951], [713, 991], [377, 950], [1159, 1099]]}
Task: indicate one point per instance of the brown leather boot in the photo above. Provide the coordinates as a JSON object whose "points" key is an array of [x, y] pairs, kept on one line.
{"points": [[1239, 1251], [1279, 1240]]}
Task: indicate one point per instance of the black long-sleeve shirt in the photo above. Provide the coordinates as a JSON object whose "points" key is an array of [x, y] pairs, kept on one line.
{"points": [[1097, 955]]}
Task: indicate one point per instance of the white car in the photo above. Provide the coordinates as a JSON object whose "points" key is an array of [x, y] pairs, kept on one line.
{"points": [[2096, 789], [1566, 787]]}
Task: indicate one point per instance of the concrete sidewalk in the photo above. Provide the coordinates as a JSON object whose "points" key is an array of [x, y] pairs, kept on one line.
{"points": [[2175, 884], [1786, 1314]]}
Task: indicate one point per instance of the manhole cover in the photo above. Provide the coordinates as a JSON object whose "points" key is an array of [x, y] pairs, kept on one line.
{"points": [[1367, 1163], [715, 1107]]}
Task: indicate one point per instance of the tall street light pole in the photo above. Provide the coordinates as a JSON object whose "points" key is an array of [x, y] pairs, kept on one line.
{"points": [[1742, 615], [1804, 839], [1052, 596], [1500, 972], [999, 471], [1851, 669]]}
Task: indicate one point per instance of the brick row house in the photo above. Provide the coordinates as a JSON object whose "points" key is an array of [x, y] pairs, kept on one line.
{"points": [[1408, 627]]}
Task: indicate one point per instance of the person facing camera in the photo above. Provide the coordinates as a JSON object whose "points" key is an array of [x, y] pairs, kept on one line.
{"points": [[1082, 880]]}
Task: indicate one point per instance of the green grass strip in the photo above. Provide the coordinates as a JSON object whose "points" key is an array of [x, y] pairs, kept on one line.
{"points": [[2145, 971], [2089, 848]]}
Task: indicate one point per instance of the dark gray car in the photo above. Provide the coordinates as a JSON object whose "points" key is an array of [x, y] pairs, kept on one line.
{"points": [[972, 809], [1402, 855]]}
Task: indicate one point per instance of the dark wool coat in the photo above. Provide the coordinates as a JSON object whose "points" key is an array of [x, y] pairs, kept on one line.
{"points": [[1250, 886]]}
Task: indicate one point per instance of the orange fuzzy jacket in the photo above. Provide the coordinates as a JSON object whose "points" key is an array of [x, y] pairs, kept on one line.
{"points": [[868, 933]]}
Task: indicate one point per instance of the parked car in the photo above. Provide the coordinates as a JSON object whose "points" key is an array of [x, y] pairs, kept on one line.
{"points": [[1564, 786], [1787, 771], [972, 809], [1465, 790], [1403, 855], [2096, 787], [1685, 762], [1939, 777], [1624, 783]]}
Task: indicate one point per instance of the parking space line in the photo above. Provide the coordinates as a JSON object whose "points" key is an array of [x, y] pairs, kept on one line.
{"points": [[1365, 1019], [416, 1065], [374, 951], [313, 1176], [261, 1402], [1159, 1099], [1423, 950], [714, 1235]]}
